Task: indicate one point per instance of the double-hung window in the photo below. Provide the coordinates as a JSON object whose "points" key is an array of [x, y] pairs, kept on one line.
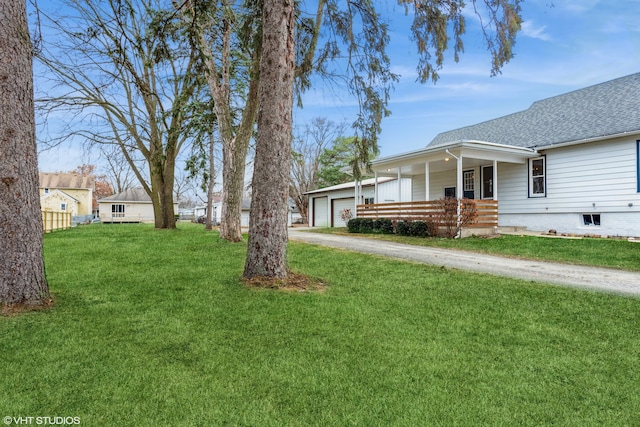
{"points": [[117, 211], [537, 177]]}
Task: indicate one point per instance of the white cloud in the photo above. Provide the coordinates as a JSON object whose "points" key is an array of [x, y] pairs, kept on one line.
{"points": [[530, 29]]}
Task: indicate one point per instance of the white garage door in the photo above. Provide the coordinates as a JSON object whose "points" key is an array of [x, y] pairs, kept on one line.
{"points": [[338, 206], [320, 208]]}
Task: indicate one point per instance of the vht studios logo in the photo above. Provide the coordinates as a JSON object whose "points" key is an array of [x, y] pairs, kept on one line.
{"points": [[43, 421]]}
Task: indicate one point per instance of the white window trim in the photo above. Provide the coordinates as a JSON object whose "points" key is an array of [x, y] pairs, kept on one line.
{"points": [[544, 176]]}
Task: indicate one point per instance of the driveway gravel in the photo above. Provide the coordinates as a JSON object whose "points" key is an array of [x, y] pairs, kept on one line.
{"points": [[602, 279]]}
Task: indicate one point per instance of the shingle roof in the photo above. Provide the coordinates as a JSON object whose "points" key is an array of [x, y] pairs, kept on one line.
{"points": [[66, 180], [605, 109], [131, 195]]}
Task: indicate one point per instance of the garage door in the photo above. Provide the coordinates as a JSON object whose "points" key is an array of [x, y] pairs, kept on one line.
{"points": [[337, 206], [320, 208]]}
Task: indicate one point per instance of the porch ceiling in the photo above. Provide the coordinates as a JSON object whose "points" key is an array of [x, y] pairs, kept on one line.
{"points": [[473, 153]]}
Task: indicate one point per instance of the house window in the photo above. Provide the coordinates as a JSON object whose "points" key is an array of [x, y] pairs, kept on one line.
{"points": [[46, 191], [368, 201], [450, 192], [591, 219], [537, 177], [63, 206], [117, 211]]}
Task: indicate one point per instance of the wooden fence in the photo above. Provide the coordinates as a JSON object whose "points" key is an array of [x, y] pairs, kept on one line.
{"points": [[52, 221], [431, 211]]}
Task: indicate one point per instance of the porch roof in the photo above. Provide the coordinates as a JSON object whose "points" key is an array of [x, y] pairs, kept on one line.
{"points": [[472, 152]]}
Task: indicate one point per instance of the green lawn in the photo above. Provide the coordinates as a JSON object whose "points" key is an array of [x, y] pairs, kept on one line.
{"points": [[611, 253], [154, 328]]}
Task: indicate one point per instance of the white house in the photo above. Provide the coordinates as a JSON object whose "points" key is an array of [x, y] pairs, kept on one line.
{"points": [[132, 205], [569, 163]]}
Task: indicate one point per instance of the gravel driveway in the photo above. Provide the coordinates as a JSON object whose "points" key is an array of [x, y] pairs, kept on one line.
{"points": [[603, 279]]}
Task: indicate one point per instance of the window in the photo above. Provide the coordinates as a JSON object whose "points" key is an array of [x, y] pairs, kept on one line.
{"points": [[368, 201], [591, 219], [46, 191], [63, 206], [450, 192], [537, 177], [117, 211]]}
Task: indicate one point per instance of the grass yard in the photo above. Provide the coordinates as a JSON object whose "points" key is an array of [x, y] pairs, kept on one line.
{"points": [[155, 328], [611, 253]]}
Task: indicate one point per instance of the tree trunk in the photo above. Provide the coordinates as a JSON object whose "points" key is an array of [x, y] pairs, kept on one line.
{"points": [[210, 219], [267, 246], [22, 277], [233, 167]]}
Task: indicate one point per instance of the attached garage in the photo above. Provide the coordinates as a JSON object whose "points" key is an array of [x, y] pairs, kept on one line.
{"points": [[320, 212], [338, 205]]}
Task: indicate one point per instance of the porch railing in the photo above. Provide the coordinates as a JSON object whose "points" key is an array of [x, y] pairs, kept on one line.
{"points": [[429, 210]]}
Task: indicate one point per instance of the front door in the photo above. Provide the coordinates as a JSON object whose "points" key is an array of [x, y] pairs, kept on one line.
{"points": [[468, 184], [487, 182]]}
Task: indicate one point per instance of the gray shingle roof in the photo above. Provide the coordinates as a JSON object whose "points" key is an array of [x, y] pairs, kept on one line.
{"points": [[66, 180], [605, 109], [131, 195]]}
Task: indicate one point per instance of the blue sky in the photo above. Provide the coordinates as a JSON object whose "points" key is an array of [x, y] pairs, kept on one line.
{"points": [[564, 45]]}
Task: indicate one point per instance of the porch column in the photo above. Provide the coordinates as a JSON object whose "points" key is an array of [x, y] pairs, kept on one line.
{"points": [[495, 180], [459, 192], [375, 188], [399, 185], [426, 181]]}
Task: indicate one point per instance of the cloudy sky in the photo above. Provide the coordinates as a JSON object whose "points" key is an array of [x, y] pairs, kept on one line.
{"points": [[564, 45]]}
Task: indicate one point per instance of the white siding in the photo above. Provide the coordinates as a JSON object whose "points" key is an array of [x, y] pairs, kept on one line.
{"points": [[388, 191], [597, 178]]}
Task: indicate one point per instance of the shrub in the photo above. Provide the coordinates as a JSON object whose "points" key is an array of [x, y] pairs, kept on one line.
{"points": [[383, 225], [403, 228], [366, 225], [419, 229], [353, 225]]}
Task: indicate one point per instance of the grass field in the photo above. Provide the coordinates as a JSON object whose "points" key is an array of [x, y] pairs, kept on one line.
{"points": [[155, 328]]}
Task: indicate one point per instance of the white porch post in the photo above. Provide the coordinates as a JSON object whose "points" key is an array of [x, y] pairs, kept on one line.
{"points": [[495, 180], [426, 181], [375, 188], [459, 192], [399, 185]]}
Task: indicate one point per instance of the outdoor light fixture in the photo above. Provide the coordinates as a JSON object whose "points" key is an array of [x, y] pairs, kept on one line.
{"points": [[446, 159]]}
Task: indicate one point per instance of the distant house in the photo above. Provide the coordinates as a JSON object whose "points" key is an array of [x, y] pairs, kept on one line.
{"points": [[132, 205], [244, 213], [67, 192], [570, 163]]}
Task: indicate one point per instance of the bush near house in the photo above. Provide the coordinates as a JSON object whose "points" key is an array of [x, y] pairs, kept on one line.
{"points": [[386, 226]]}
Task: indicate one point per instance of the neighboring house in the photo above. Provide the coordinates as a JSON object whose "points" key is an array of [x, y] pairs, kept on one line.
{"points": [[326, 203], [133, 205], [244, 213], [67, 192], [570, 163]]}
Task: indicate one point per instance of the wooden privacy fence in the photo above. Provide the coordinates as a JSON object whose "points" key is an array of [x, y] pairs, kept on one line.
{"points": [[52, 221], [430, 211]]}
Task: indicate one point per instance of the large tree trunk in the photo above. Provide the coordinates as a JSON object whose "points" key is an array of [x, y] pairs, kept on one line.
{"points": [[22, 277], [267, 246], [234, 155]]}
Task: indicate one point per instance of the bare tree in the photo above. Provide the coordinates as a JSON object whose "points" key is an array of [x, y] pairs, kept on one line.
{"points": [[22, 276], [118, 171], [126, 70], [307, 148]]}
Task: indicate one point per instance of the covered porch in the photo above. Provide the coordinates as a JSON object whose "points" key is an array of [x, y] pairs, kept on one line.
{"points": [[463, 170]]}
